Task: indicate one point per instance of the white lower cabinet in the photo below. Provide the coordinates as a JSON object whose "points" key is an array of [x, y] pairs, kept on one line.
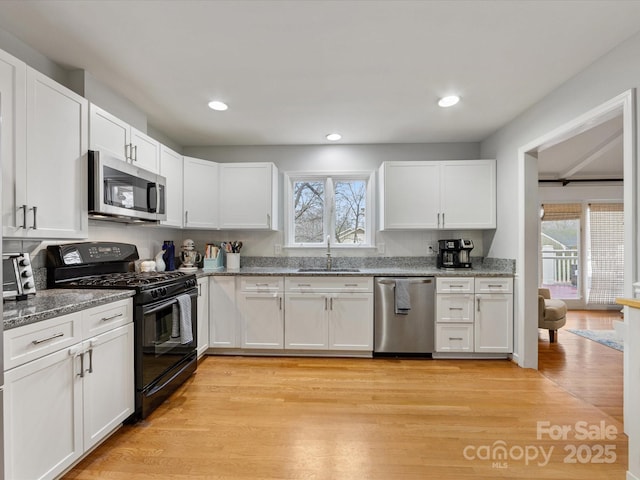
{"points": [[474, 315], [222, 312], [64, 399], [261, 311], [329, 313], [203, 315]]}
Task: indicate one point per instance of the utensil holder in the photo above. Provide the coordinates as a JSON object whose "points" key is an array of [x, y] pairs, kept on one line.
{"points": [[233, 261]]}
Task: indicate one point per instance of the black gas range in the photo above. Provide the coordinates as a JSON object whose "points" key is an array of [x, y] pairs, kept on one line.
{"points": [[165, 312]]}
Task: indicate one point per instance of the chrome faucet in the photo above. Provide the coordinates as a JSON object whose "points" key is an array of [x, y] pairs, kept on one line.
{"points": [[328, 252]]}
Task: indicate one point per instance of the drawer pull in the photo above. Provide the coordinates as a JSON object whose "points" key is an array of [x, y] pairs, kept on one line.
{"points": [[55, 335], [304, 284], [350, 284], [112, 317], [455, 338], [455, 308], [494, 286], [456, 286], [262, 284]]}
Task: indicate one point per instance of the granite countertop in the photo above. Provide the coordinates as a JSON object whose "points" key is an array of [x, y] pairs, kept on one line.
{"points": [[55, 302], [366, 272]]}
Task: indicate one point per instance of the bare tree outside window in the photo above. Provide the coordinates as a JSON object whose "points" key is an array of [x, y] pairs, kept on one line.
{"points": [[350, 198], [308, 198]]}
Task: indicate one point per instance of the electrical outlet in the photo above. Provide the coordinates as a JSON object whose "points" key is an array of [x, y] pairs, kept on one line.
{"points": [[381, 248], [433, 250], [277, 249]]}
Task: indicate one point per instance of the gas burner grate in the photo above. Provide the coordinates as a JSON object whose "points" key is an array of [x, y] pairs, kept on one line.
{"points": [[128, 279]]}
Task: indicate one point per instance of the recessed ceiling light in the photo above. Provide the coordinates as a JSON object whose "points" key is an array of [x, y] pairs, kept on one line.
{"points": [[449, 101], [218, 105], [334, 137]]}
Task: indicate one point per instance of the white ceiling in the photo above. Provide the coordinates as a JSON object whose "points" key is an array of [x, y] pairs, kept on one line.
{"points": [[293, 71]]}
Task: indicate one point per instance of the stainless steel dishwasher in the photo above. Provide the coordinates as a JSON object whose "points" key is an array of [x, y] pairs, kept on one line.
{"points": [[411, 331]]}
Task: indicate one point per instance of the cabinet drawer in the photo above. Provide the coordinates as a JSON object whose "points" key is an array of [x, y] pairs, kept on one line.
{"points": [[454, 284], [494, 285], [454, 338], [329, 284], [260, 284], [29, 342], [106, 317], [457, 308]]}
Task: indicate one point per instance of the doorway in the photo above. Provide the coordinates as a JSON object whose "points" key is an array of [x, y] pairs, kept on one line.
{"points": [[529, 208]]}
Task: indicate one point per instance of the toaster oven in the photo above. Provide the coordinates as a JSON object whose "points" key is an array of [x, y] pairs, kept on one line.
{"points": [[17, 276]]}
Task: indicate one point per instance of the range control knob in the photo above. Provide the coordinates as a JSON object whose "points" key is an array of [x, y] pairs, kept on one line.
{"points": [[163, 291], [27, 273], [154, 293], [24, 262], [28, 284]]}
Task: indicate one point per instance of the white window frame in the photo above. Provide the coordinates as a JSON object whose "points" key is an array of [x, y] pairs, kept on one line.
{"points": [[329, 217]]}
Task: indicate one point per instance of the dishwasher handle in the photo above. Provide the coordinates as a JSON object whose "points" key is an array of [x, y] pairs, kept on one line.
{"points": [[416, 281]]}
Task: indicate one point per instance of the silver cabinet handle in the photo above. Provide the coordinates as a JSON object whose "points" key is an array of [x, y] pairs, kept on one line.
{"points": [[438, 220], [127, 149], [24, 216], [186, 217], [135, 154], [90, 369], [199, 289], [304, 284], [443, 220], [326, 303], [280, 301], [455, 338], [35, 217], [350, 284], [331, 304], [478, 303], [55, 335], [455, 308], [268, 220], [81, 374], [112, 317], [494, 286]]}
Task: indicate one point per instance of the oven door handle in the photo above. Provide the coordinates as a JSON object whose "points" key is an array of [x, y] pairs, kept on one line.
{"points": [[157, 308]]}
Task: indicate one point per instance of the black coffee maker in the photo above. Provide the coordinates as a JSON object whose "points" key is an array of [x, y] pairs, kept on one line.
{"points": [[454, 253]]}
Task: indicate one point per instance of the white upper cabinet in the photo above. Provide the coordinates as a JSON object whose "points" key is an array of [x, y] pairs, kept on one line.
{"points": [[410, 195], [13, 141], [171, 164], [45, 170], [109, 134], [248, 196], [200, 193], [452, 194], [468, 194]]}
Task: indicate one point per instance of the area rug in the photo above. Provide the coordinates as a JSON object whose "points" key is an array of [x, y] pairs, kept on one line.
{"points": [[605, 337]]}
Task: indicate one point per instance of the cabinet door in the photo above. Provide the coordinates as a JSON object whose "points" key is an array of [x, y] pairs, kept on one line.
{"points": [[247, 196], [108, 385], [56, 170], [494, 323], [13, 141], [171, 169], [457, 308], [222, 312], [351, 322], [410, 195], [145, 151], [200, 193], [108, 133], [203, 315], [306, 322], [262, 320], [43, 416], [468, 194]]}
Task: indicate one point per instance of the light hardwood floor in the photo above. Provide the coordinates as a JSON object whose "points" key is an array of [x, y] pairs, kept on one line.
{"points": [[309, 418], [586, 369]]}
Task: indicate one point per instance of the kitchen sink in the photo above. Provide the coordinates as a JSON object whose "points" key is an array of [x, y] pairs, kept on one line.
{"points": [[325, 270]]}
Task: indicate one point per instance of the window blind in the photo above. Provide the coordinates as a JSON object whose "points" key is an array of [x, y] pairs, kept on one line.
{"points": [[561, 211], [607, 252]]}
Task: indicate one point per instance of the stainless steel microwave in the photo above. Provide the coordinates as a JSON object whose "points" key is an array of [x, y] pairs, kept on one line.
{"points": [[122, 191], [17, 276]]}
